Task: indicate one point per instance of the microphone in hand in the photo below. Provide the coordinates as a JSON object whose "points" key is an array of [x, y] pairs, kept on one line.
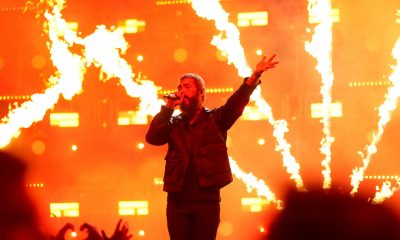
{"points": [[171, 96]]}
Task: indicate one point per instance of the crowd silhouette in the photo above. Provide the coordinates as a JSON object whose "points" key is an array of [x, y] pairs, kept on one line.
{"points": [[311, 215]]}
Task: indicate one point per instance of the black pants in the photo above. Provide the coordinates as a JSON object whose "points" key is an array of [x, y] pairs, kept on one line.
{"points": [[193, 221]]}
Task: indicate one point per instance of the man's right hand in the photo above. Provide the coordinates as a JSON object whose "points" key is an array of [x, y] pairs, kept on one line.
{"points": [[172, 103]]}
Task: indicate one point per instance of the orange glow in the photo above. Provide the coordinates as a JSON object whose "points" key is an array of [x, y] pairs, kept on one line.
{"points": [[38, 61], [38, 147]]}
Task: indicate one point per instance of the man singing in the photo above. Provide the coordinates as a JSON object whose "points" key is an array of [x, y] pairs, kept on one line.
{"points": [[197, 164]]}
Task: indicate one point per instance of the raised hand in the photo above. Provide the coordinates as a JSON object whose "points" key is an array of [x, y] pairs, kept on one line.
{"points": [[265, 64], [92, 233], [119, 233], [61, 233]]}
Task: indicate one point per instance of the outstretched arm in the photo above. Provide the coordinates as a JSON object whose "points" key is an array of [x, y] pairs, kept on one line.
{"points": [[263, 65], [236, 103]]}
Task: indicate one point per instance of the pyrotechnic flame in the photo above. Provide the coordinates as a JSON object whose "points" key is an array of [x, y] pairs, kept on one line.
{"points": [[252, 182], [385, 113], [385, 192], [212, 10], [67, 81], [321, 48], [102, 48]]}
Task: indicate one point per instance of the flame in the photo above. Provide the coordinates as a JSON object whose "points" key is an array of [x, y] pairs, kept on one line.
{"points": [[102, 48], [67, 81], [321, 48], [253, 183], [385, 113], [385, 192], [212, 10]]}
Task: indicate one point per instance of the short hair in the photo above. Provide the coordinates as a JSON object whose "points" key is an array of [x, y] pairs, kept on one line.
{"points": [[199, 80]]}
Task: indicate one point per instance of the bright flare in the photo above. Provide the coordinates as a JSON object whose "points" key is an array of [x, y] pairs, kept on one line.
{"points": [[102, 48], [212, 10], [385, 113], [321, 48], [67, 81], [253, 183], [385, 192], [228, 40]]}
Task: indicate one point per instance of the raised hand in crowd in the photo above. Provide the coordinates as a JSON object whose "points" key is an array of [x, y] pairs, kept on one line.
{"points": [[92, 233], [61, 233], [120, 233]]}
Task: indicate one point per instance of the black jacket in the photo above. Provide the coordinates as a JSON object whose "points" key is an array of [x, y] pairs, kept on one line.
{"points": [[204, 140]]}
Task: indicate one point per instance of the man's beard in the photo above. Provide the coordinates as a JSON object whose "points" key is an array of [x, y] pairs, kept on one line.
{"points": [[189, 105]]}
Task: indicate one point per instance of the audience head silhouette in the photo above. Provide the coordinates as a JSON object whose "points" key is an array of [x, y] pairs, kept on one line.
{"points": [[331, 215], [18, 218]]}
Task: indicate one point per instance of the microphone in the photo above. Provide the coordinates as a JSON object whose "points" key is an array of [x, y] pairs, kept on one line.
{"points": [[171, 96]]}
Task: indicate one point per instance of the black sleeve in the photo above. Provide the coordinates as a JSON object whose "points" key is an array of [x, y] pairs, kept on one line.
{"points": [[160, 126], [234, 107]]}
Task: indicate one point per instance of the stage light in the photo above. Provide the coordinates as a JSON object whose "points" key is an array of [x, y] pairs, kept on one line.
{"points": [[141, 233], [139, 58], [253, 113], [246, 19], [74, 147], [262, 230], [35, 185], [334, 109], [133, 208], [261, 141], [334, 17], [180, 55], [140, 145], [253, 204], [158, 181], [38, 147], [131, 118], [132, 26], [68, 209], [74, 234], [370, 84], [64, 119], [259, 52]]}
